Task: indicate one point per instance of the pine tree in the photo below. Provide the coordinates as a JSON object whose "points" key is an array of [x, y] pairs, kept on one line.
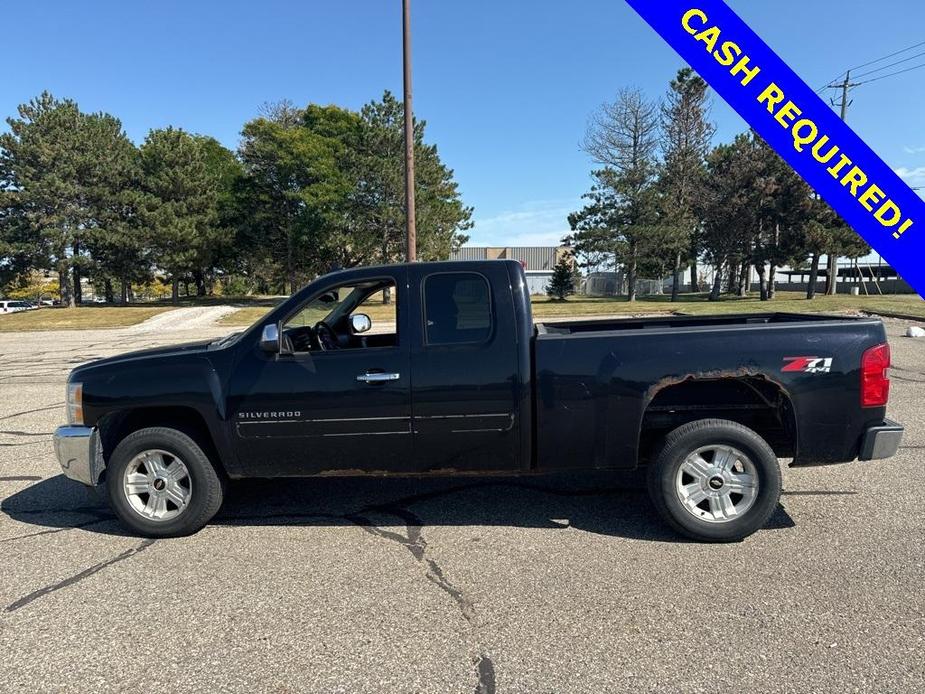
{"points": [[441, 215], [179, 202], [686, 135], [114, 242], [562, 282], [63, 179]]}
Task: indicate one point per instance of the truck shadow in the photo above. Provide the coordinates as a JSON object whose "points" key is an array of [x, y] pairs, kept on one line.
{"points": [[600, 503]]}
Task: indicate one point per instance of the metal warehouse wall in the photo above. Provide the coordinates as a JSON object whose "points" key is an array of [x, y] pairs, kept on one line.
{"points": [[533, 257], [536, 257], [537, 282], [469, 253]]}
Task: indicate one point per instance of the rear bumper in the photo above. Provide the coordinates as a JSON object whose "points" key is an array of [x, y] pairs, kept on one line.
{"points": [[79, 453], [881, 441]]}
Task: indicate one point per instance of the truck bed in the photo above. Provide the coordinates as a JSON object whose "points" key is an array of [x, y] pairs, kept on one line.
{"points": [[599, 381]]}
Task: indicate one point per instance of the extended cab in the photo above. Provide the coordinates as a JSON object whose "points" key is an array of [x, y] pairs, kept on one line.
{"points": [[452, 377]]}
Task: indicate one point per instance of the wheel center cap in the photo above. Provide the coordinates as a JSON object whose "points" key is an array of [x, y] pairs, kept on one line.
{"points": [[716, 482], [159, 484]]}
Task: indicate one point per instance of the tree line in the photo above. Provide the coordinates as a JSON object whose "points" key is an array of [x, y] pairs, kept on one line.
{"points": [[307, 191], [665, 200]]}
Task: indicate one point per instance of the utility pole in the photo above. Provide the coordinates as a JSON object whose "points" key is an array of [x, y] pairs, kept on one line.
{"points": [[845, 86], [831, 284], [410, 225]]}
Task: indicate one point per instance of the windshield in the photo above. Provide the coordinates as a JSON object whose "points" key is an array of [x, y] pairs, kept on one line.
{"points": [[322, 307]]}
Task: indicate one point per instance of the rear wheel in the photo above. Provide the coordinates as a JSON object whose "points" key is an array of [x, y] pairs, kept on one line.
{"points": [[160, 483], [715, 480]]}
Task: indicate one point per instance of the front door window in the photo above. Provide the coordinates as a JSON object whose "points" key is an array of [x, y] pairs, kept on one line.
{"points": [[332, 320]]}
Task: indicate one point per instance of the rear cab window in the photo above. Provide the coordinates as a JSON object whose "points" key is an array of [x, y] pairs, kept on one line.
{"points": [[457, 308]]}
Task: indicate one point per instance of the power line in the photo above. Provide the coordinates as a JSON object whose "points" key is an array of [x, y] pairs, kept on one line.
{"points": [[898, 62], [830, 85], [898, 72], [908, 48]]}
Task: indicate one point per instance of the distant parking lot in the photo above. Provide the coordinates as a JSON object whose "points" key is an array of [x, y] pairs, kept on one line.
{"points": [[511, 585]]}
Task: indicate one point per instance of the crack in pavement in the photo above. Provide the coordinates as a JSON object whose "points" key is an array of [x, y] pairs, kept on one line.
{"points": [[416, 544], [38, 409], [905, 379], [20, 478], [76, 578], [413, 540], [55, 530], [486, 669], [24, 458], [908, 371]]}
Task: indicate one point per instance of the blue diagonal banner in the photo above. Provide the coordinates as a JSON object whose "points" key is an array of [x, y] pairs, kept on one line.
{"points": [[799, 125]]}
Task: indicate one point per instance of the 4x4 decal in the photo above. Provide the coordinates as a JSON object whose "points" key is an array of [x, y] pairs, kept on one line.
{"points": [[810, 365]]}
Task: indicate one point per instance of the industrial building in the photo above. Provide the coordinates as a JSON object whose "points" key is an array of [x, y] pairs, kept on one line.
{"points": [[538, 261]]}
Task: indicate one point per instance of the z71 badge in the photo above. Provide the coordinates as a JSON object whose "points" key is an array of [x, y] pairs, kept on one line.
{"points": [[809, 365]]}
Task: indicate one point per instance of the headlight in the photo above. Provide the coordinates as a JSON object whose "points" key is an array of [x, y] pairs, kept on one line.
{"points": [[75, 404]]}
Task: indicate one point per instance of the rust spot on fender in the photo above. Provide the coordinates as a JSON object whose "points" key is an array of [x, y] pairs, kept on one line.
{"points": [[716, 375]]}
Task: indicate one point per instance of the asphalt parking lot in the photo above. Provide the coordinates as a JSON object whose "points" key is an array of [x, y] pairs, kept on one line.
{"points": [[532, 585]]}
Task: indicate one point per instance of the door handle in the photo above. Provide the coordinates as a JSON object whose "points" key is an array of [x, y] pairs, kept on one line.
{"points": [[378, 377]]}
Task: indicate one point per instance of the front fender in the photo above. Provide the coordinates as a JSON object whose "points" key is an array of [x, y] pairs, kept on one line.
{"points": [[111, 393]]}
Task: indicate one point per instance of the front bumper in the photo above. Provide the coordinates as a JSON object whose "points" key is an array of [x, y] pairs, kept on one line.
{"points": [[79, 453], [881, 441]]}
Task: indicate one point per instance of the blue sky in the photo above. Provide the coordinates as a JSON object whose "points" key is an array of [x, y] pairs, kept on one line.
{"points": [[506, 86]]}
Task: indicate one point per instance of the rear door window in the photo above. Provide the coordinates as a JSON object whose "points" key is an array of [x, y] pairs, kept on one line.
{"points": [[457, 308]]}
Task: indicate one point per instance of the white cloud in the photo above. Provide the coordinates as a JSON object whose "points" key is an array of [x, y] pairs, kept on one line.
{"points": [[913, 150], [535, 223], [915, 177]]}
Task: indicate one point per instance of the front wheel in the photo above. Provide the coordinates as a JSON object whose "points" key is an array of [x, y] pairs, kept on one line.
{"points": [[715, 480], [160, 483]]}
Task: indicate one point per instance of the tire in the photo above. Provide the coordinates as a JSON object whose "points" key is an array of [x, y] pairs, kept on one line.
{"points": [[154, 497], [715, 480]]}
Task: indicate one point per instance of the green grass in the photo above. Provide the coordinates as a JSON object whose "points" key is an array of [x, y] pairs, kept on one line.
{"points": [[245, 316], [83, 318], [698, 304], [693, 304], [90, 317], [251, 314]]}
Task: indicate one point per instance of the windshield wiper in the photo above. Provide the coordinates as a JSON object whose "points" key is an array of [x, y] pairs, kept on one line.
{"points": [[222, 341]]}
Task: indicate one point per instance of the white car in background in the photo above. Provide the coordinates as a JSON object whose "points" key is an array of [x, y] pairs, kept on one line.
{"points": [[14, 306]]}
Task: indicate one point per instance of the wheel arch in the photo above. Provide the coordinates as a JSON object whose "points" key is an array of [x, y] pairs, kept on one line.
{"points": [[117, 425], [753, 400]]}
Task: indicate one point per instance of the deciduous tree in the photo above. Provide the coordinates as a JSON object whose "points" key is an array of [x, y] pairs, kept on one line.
{"points": [[621, 214]]}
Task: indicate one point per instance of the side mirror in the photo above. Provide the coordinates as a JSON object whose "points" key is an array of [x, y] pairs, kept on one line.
{"points": [[360, 323], [269, 338]]}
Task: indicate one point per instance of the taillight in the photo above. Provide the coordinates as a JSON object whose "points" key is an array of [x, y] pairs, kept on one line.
{"points": [[875, 386]]}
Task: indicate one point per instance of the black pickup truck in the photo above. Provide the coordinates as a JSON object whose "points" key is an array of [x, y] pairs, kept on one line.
{"points": [[455, 379]]}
